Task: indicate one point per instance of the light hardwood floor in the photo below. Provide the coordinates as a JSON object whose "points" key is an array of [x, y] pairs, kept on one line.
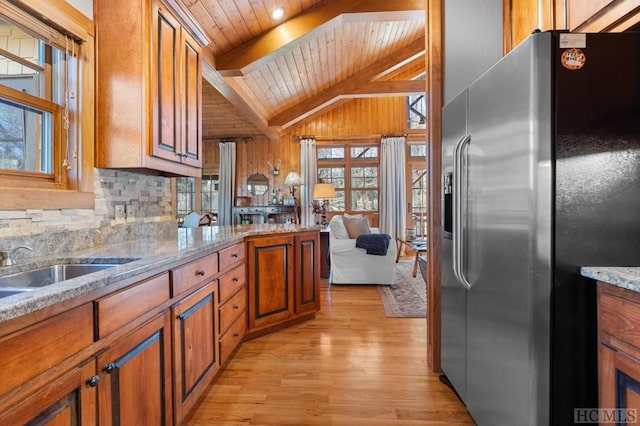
{"points": [[349, 366]]}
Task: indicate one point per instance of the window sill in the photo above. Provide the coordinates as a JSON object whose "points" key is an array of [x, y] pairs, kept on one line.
{"points": [[21, 199]]}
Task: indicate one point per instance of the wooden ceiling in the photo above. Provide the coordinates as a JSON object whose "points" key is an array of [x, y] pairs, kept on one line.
{"points": [[263, 76]]}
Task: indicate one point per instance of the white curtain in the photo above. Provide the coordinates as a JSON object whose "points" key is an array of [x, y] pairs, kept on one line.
{"points": [[309, 172], [393, 187], [227, 183]]}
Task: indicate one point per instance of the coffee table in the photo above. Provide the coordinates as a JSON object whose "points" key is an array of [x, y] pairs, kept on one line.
{"points": [[418, 245]]}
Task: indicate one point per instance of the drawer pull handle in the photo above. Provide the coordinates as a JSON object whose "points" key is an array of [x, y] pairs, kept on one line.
{"points": [[236, 335], [236, 306], [109, 368], [235, 279], [235, 255], [93, 381], [201, 272]]}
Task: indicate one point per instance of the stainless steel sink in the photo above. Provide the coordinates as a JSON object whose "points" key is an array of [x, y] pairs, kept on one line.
{"points": [[35, 278], [5, 292]]}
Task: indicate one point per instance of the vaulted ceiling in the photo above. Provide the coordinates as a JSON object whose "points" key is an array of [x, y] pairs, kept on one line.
{"points": [[263, 76]]}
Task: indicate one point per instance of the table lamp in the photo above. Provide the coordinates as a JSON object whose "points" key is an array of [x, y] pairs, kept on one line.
{"points": [[324, 192], [291, 181]]}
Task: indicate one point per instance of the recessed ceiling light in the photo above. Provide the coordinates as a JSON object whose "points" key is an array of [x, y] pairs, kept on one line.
{"points": [[277, 14]]}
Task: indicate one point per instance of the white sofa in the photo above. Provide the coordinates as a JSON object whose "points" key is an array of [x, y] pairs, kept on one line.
{"points": [[351, 265]]}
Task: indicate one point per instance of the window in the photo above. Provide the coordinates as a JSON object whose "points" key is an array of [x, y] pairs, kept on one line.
{"points": [[353, 170], [209, 193], [418, 151], [417, 109], [419, 201], [44, 65], [28, 109], [185, 196], [417, 195]]}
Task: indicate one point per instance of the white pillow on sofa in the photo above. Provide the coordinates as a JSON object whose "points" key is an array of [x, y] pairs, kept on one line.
{"points": [[337, 228]]}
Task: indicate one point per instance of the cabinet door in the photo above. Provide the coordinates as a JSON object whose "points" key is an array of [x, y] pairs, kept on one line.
{"points": [[195, 347], [166, 99], [271, 280], [619, 382], [191, 101], [135, 377], [307, 288], [71, 401]]}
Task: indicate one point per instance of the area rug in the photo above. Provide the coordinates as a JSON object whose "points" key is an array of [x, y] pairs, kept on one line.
{"points": [[407, 298]]}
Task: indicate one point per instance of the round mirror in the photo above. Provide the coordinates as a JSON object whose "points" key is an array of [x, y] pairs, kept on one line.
{"points": [[257, 184]]}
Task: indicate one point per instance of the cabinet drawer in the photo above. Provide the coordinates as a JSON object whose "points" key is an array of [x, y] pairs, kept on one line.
{"points": [[232, 338], [27, 353], [231, 255], [620, 318], [231, 282], [123, 307], [194, 273], [232, 309]]}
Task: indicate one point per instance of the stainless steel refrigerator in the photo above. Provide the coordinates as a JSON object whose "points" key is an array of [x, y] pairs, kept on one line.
{"points": [[541, 175]]}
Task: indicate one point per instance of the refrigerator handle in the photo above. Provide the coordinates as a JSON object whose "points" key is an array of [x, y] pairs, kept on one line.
{"points": [[458, 233]]}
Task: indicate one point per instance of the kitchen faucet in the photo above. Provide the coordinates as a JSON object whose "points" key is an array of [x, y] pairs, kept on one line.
{"points": [[6, 256]]}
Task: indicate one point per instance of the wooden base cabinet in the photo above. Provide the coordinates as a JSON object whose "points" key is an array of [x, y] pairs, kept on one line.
{"points": [[135, 377], [70, 401], [284, 278], [196, 355], [619, 350], [307, 284], [271, 275]]}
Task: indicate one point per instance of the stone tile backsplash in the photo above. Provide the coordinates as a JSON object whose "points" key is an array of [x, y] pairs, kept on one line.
{"points": [[128, 206]]}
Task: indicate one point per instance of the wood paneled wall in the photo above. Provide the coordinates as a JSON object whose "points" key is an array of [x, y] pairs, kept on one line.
{"points": [[523, 16], [252, 156], [357, 118]]}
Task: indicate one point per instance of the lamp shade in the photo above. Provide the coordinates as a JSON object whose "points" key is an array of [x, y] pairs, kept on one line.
{"points": [[293, 179], [324, 191]]}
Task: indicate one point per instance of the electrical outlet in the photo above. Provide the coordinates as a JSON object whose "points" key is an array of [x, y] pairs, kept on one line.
{"points": [[131, 214], [119, 212]]}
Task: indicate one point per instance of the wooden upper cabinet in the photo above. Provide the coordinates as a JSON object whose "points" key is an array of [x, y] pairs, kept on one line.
{"points": [[148, 97], [176, 76], [191, 101]]}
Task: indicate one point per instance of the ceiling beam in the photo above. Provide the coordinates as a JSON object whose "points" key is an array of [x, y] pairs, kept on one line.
{"points": [[375, 71], [219, 83], [322, 17]]}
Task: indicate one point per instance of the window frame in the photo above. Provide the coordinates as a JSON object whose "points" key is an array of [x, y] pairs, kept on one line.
{"points": [[412, 163], [347, 163], [63, 188]]}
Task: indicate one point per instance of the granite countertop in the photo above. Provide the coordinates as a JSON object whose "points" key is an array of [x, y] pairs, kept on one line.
{"points": [[625, 277], [141, 256]]}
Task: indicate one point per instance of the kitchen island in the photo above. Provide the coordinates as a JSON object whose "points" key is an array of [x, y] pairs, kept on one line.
{"points": [[618, 299], [161, 324]]}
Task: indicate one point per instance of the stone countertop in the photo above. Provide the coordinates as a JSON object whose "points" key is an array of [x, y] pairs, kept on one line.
{"points": [[141, 256], [625, 277]]}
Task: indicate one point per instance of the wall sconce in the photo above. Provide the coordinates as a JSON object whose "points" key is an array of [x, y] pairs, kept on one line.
{"points": [[324, 192], [291, 181]]}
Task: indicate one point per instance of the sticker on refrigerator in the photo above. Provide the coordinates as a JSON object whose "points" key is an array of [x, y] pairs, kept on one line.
{"points": [[573, 59], [569, 40]]}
